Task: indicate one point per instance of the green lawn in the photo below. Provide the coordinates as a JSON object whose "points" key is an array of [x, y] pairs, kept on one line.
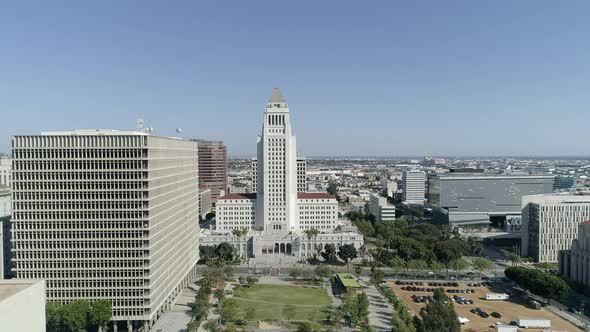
{"points": [[311, 304]]}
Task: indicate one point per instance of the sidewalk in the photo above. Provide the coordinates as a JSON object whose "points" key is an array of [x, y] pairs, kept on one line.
{"points": [[379, 308]]}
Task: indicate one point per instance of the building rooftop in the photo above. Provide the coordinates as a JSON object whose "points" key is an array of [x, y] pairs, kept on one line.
{"points": [[13, 286], [87, 132], [302, 195], [238, 196], [348, 280]]}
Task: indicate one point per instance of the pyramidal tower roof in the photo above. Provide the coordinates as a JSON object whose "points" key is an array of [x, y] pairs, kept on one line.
{"points": [[276, 96]]}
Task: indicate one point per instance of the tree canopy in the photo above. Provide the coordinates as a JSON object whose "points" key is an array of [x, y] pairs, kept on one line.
{"points": [[439, 314]]}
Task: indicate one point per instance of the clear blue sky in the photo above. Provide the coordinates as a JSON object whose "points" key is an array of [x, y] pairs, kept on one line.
{"points": [[362, 77]]}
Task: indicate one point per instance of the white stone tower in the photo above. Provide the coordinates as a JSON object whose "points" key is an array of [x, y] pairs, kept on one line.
{"points": [[276, 210]]}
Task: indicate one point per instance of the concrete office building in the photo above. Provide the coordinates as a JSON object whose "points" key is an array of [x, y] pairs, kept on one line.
{"points": [[550, 224], [277, 214], [479, 199], [22, 305], [103, 214], [213, 167], [381, 209], [5, 171], [414, 186], [574, 264], [205, 202]]}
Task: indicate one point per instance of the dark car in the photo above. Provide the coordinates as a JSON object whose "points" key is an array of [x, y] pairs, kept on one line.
{"points": [[484, 314], [496, 315]]}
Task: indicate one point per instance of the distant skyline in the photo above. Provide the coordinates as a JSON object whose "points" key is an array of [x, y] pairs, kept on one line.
{"points": [[452, 78]]}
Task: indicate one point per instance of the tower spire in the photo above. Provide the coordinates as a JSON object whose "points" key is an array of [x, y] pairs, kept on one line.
{"points": [[276, 96]]}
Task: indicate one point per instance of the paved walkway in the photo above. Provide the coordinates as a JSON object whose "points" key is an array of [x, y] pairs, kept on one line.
{"points": [[177, 318], [379, 308]]}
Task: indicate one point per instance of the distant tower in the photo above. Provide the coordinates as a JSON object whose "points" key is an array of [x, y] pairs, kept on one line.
{"points": [[139, 124], [178, 132]]}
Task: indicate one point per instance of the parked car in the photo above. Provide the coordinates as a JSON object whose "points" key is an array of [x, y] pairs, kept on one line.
{"points": [[496, 314]]}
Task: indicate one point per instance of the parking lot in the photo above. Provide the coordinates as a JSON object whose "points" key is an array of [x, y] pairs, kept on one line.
{"points": [[507, 310]]}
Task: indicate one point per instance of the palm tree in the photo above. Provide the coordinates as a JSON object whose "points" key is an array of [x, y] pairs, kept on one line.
{"points": [[309, 234]]}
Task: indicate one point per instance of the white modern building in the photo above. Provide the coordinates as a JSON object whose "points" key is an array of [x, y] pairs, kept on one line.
{"points": [[278, 213], [550, 224], [574, 264], [5, 171], [414, 186], [103, 214], [381, 209], [22, 305]]}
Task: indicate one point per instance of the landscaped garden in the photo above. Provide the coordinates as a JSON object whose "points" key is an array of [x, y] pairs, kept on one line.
{"points": [[282, 303]]}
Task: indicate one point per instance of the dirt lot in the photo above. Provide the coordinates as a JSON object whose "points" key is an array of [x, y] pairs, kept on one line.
{"points": [[510, 311]]}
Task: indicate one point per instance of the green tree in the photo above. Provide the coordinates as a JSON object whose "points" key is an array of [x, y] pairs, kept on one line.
{"points": [[211, 326], [458, 265], [475, 245], [100, 314], [206, 253], [358, 270], [75, 316], [365, 227], [219, 294], [417, 265], [228, 310], [347, 252], [192, 326], [251, 281], [482, 265], [304, 327], [386, 231], [295, 273], [289, 312], [250, 313], [329, 253], [377, 275], [362, 303], [53, 316], [439, 314], [225, 252], [436, 267], [396, 264], [323, 271]]}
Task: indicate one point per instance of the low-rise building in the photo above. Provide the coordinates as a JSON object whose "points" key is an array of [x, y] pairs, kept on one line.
{"points": [[380, 209], [22, 305]]}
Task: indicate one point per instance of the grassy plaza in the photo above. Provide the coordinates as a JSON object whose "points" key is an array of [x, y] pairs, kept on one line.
{"points": [[311, 304]]}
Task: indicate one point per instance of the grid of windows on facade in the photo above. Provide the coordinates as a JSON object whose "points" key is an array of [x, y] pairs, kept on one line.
{"points": [[559, 227], [235, 214], [79, 217], [276, 186], [319, 214], [301, 175]]}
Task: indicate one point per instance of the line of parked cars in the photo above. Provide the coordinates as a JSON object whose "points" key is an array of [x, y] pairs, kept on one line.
{"points": [[462, 291], [421, 298], [479, 284], [481, 313], [462, 300], [443, 284]]}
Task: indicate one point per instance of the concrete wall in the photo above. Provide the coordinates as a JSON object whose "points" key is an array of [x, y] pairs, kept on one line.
{"points": [[25, 309]]}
